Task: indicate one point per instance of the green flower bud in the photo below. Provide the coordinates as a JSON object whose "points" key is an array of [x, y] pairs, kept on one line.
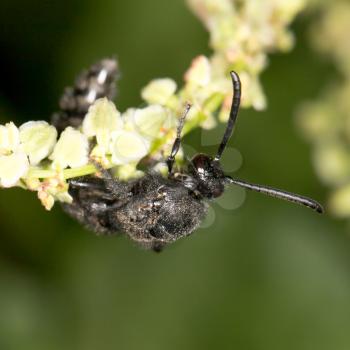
{"points": [[339, 202], [332, 163]]}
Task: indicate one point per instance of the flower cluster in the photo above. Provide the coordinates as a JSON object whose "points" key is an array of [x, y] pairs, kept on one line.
{"points": [[242, 34], [32, 157], [326, 122]]}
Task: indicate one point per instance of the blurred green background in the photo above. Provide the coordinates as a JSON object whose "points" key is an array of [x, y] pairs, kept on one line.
{"points": [[269, 275]]}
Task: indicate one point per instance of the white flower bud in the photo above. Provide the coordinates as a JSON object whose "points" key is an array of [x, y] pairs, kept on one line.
{"points": [[102, 119], [151, 121], [128, 147], [12, 168], [158, 91], [199, 74], [38, 140], [9, 138], [71, 149]]}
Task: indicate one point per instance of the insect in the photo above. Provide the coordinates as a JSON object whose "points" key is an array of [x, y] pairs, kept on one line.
{"points": [[153, 210]]}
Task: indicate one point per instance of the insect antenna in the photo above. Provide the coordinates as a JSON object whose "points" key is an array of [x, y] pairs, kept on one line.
{"points": [[176, 145], [236, 100], [273, 192]]}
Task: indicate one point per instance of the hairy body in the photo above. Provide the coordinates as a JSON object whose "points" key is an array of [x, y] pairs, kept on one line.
{"points": [[153, 210]]}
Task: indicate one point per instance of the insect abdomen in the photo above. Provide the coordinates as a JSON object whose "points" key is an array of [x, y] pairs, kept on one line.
{"points": [[96, 82], [161, 213]]}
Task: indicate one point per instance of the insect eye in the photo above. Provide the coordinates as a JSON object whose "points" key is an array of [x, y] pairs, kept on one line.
{"points": [[202, 163]]}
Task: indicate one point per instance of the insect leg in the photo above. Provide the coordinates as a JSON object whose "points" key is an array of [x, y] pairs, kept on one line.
{"points": [[94, 188], [176, 145], [273, 192], [83, 184], [116, 188]]}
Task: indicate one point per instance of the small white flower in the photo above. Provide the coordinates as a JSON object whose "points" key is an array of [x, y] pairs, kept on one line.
{"points": [[13, 161], [129, 119], [12, 168], [71, 149], [158, 91], [128, 147], [102, 119], [199, 74], [9, 138], [151, 121], [38, 140]]}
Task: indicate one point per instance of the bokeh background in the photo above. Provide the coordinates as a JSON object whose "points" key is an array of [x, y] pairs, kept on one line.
{"points": [[269, 275]]}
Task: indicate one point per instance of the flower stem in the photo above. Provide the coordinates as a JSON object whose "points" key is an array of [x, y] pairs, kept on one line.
{"points": [[77, 172]]}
